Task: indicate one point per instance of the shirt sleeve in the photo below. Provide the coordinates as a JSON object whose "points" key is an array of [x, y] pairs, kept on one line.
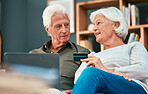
{"points": [[138, 67]]}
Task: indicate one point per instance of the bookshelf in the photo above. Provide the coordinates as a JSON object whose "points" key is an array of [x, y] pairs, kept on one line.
{"points": [[82, 19]]}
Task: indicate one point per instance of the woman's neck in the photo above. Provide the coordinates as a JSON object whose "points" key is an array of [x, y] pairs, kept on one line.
{"points": [[113, 42]]}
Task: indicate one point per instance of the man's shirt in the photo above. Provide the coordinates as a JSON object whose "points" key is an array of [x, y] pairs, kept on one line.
{"points": [[68, 66]]}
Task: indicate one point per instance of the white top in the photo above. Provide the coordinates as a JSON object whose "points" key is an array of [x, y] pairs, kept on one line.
{"points": [[131, 59]]}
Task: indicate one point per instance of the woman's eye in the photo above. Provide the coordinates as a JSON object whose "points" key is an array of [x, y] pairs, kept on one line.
{"points": [[98, 23]]}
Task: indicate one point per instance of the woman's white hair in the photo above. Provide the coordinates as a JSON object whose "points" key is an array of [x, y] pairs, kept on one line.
{"points": [[114, 15], [50, 10]]}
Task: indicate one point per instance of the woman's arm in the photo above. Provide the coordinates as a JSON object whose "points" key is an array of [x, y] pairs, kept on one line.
{"points": [[138, 68], [96, 62]]}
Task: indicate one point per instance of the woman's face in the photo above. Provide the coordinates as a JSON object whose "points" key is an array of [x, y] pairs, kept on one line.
{"points": [[103, 29]]}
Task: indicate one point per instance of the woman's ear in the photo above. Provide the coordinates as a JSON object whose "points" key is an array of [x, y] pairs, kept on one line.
{"points": [[116, 25], [48, 31]]}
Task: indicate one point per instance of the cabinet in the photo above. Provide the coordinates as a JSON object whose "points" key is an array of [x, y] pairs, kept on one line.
{"points": [[82, 19]]}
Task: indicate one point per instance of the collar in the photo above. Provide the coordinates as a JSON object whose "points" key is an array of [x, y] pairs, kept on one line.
{"points": [[46, 46]]}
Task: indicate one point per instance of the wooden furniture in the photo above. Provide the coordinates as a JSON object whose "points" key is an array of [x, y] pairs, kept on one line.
{"points": [[82, 18]]}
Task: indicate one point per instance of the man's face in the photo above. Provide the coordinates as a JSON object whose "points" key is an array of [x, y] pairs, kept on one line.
{"points": [[60, 28]]}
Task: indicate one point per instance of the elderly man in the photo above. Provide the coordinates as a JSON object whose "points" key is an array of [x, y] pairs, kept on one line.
{"points": [[57, 25]]}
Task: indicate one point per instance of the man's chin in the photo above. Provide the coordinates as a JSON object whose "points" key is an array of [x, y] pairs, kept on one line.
{"points": [[64, 40]]}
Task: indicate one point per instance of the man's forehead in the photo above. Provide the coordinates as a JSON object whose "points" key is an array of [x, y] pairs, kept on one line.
{"points": [[58, 17]]}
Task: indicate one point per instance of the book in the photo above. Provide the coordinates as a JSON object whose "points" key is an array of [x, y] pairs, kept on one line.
{"points": [[136, 37], [129, 14], [135, 15], [123, 8], [126, 14], [131, 37]]}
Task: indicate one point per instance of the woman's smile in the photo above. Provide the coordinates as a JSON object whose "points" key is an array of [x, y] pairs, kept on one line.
{"points": [[97, 33]]}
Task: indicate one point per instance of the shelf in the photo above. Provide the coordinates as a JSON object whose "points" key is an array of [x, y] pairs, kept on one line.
{"points": [[136, 1], [91, 33], [82, 18], [87, 33], [138, 26], [98, 4]]}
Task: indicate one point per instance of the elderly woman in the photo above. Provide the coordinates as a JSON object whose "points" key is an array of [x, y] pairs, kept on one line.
{"points": [[119, 69]]}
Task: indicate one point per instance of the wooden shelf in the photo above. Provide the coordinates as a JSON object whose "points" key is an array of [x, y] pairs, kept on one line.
{"points": [[82, 18], [98, 4], [138, 26], [136, 1], [91, 33], [87, 33]]}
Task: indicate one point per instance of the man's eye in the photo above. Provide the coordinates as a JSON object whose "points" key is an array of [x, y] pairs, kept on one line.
{"points": [[58, 26], [67, 24]]}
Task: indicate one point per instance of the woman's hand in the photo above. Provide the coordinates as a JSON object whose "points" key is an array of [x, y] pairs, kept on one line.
{"points": [[123, 75], [94, 62], [67, 91]]}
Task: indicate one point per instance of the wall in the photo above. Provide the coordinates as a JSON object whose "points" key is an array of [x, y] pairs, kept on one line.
{"points": [[22, 29], [36, 35], [13, 27]]}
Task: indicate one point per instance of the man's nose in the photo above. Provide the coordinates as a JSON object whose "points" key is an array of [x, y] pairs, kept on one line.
{"points": [[64, 29]]}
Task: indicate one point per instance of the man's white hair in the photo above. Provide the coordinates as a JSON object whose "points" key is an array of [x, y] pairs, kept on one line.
{"points": [[114, 15], [50, 10]]}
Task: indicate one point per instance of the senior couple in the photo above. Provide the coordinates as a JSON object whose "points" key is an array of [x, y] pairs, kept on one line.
{"points": [[119, 69]]}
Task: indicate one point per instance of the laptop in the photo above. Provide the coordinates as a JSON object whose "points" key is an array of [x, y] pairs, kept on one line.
{"points": [[41, 65]]}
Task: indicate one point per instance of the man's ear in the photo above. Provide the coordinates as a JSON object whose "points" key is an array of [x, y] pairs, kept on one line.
{"points": [[48, 31], [116, 25]]}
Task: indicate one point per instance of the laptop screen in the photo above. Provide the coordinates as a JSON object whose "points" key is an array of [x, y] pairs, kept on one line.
{"points": [[43, 66]]}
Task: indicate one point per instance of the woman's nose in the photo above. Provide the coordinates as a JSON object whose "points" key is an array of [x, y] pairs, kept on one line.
{"points": [[95, 28]]}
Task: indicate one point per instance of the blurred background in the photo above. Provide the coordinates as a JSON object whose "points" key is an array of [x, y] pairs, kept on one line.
{"points": [[21, 24]]}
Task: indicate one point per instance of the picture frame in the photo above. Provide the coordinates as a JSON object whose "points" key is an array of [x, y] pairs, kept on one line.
{"points": [[69, 5]]}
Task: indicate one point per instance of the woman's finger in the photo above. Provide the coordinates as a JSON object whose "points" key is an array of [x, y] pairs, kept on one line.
{"points": [[91, 56], [126, 77], [86, 59], [123, 75], [91, 63]]}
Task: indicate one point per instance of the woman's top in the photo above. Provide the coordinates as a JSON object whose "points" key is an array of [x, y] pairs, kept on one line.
{"points": [[131, 59]]}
